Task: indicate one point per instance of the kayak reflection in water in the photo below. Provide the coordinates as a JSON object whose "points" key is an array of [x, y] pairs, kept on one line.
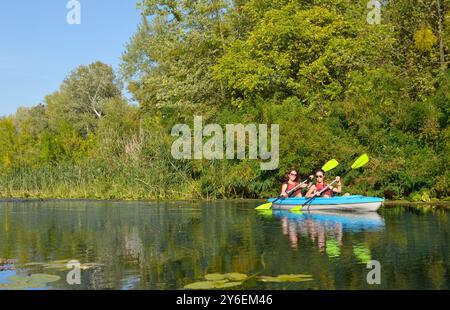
{"points": [[317, 232], [320, 185], [290, 182], [326, 228], [289, 229]]}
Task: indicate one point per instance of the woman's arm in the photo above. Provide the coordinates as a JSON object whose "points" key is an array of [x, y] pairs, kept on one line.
{"points": [[311, 191], [338, 188], [283, 190]]}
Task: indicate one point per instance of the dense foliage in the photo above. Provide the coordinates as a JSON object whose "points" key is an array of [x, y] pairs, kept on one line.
{"points": [[336, 84]]}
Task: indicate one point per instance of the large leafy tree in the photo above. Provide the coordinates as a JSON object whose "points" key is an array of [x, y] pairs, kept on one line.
{"points": [[301, 53], [87, 90], [7, 141], [168, 61]]}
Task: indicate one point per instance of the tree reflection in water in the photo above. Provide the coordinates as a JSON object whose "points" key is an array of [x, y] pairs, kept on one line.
{"points": [[170, 245]]}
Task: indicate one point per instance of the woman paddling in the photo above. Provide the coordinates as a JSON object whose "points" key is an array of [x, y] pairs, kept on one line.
{"points": [[320, 185], [290, 183]]}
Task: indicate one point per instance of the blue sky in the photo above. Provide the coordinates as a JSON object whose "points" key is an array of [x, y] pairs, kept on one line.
{"points": [[38, 48]]}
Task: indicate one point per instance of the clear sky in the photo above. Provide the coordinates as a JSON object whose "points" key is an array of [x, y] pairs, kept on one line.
{"points": [[38, 48]]}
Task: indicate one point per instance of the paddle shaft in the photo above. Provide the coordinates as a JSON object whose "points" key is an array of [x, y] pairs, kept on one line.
{"points": [[325, 189], [289, 192]]}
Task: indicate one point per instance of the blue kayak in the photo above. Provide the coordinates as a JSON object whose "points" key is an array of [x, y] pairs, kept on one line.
{"points": [[341, 203]]}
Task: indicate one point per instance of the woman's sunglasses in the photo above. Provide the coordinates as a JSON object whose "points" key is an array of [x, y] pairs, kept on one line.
{"points": [[319, 176]]}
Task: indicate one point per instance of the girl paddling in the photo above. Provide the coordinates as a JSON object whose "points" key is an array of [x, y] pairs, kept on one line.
{"points": [[320, 185], [290, 183]]}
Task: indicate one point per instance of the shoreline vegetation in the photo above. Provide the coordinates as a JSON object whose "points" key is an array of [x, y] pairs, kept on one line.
{"points": [[336, 85]]}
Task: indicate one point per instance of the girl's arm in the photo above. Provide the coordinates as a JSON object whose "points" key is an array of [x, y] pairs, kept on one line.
{"points": [[311, 191], [338, 188], [283, 190]]}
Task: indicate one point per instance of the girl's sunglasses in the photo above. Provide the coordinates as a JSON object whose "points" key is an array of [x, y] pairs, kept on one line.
{"points": [[319, 176]]}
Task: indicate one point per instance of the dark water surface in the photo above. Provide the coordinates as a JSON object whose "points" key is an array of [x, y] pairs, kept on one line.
{"points": [[170, 245]]}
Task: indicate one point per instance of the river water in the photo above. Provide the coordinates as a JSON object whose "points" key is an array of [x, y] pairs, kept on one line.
{"points": [[137, 245]]}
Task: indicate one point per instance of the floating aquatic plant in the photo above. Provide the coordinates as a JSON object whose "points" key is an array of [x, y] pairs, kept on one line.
{"points": [[44, 278], [215, 277], [218, 281], [286, 278], [234, 276], [209, 285], [221, 281]]}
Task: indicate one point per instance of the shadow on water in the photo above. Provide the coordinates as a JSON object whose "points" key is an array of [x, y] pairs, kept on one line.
{"points": [[171, 245]]}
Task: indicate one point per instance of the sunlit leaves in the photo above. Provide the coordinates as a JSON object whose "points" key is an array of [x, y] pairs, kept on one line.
{"points": [[424, 39]]}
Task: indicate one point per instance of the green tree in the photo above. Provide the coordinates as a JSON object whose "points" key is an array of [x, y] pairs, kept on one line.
{"points": [[7, 141], [168, 61], [88, 88]]}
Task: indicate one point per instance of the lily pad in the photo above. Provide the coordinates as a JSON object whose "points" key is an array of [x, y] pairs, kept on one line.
{"points": [[63, 261], [286, 278], [229, 284], [234, 276], [295, 277], [268, 279], [206, 285], [33, 281], [55, 266], [44, 278], [215, 277], [34, 264]]}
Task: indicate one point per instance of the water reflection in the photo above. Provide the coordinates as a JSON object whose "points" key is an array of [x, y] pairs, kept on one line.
{"points": [[323, 226], [170, 245]]}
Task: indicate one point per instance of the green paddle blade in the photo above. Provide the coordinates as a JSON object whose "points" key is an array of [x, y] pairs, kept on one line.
{"points": [[361, 161], [266, 206], [330, 165]]}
